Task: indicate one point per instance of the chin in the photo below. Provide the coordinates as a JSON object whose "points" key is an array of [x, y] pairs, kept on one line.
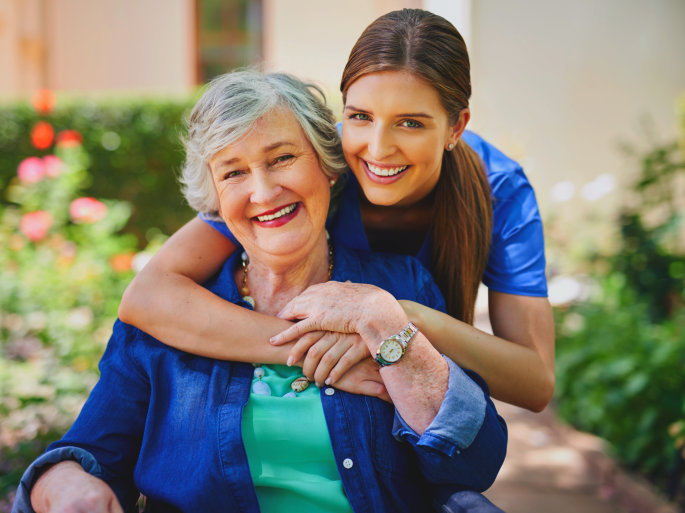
{"points": [[382, 198]]}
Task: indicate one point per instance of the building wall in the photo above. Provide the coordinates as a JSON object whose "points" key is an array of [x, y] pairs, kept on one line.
{"points": [[561, 85], [313, 38], [86, 45]]}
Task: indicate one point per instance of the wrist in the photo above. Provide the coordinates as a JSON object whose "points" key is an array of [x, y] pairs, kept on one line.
{"points": [[385, 319], [51, 478]]}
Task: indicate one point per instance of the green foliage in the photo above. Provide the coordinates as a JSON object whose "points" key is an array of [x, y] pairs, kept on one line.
{"points": [[64, 265], [621, 353], [134, 150], [650, 256], [620, 376]]}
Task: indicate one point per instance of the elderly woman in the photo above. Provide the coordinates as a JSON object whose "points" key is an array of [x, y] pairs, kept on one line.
{"points": [[196, 434]]}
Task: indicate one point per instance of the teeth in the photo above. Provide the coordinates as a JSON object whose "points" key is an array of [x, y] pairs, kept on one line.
{"points": [[385, 171], [283, 212]]}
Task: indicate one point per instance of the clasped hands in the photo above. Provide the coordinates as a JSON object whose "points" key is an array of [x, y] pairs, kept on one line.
{"points": [[339, 328]]}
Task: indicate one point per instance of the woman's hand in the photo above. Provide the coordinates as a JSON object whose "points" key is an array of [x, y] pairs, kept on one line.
{"points": [[327, 355], [67, 487], [342, 307], [364, 378]]}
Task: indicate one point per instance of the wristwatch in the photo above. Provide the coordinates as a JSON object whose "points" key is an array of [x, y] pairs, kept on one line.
{"points": [[392, 349]]}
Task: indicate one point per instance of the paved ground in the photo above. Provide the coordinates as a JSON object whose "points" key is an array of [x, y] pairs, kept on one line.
{"points": [[553, 468]]}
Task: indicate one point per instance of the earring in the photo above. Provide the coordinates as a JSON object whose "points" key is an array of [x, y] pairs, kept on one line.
{"points": [[450, 147], [332, 181]]}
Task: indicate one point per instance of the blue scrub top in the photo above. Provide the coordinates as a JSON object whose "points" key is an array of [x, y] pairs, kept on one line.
{"points": [[516, 264]]}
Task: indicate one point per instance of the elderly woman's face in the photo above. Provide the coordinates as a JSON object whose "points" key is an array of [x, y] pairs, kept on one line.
{"points": [[273, 194]]}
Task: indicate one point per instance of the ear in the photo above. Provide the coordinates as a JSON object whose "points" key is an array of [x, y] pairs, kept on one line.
{"points": [[458, 128]]}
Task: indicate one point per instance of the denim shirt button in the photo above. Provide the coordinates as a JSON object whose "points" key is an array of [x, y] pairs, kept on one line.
{"points": [[329, 391], [347, 463]]}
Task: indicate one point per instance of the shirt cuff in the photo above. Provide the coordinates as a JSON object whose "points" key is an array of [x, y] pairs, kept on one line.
{"points": [[22, 502], [458, 420]]}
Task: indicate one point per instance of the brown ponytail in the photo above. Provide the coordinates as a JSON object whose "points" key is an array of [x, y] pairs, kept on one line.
{"points": [[461, 231], [430, 47]]}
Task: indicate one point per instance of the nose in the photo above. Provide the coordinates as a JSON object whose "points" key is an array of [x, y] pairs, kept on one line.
{"points": [[381, 143], [265, 187]]}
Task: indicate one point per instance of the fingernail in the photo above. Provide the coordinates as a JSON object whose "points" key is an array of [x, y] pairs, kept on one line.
{"points": [[289, 363], [328, 381], [273, 340]]}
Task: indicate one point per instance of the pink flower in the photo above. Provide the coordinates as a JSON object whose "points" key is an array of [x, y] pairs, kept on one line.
{"points": [[31, 170], [42, 135], [53, 166], [35, 225], [87, 210]]}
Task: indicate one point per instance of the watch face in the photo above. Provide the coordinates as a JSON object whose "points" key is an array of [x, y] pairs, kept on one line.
{"points": [[391, 350]]}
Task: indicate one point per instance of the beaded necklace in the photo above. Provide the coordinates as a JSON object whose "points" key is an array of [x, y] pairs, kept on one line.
{"points": [[301, 383]]}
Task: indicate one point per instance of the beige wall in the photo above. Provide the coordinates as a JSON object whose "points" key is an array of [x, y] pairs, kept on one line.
{"points": [[561, 85], [313, 38], [95, 45], [22, 46]]}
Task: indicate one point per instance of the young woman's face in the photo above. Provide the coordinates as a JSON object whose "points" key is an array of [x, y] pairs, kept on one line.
{"points": [[394, 132]]}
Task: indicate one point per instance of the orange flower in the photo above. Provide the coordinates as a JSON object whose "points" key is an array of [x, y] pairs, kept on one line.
{"points": [[35, 225], [87, 210], [69, 138], [31, 170], [121, 262], [42, 135], [44, 101]]}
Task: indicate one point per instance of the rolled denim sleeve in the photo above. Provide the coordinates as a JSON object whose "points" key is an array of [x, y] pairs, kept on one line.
{"points": [[22, 502], [466, 441], [105, 438]]}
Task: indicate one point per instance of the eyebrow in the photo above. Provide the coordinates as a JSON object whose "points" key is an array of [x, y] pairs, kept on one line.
{"points": [[401, 115], [268, 148]]}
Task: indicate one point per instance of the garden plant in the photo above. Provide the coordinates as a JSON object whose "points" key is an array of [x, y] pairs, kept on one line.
{"points": [[64, 265], [621, 353]]}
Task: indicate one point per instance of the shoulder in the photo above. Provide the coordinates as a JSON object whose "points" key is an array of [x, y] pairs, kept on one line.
{"points": [[401, 275], [514, 200], [506, 176]]}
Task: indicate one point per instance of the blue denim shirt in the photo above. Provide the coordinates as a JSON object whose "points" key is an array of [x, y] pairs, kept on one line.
{"points": [[168, 423]]}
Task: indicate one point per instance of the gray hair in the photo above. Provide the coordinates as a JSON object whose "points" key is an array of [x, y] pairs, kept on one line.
{"points": [[230, 107]]}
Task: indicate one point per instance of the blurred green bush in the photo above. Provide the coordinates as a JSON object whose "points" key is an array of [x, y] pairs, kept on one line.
{"points": [[621, 353], [64, 265], [134, 149]]}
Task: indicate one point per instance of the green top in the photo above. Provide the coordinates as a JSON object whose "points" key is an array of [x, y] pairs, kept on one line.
{"points": [[288, 447]]}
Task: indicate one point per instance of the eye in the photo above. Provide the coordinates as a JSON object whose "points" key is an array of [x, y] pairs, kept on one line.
{"points": [[360, 116], [281, 159], [231, 174], [411, 123]]}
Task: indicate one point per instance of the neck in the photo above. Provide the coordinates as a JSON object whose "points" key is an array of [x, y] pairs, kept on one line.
{"points": [[417, 216], [273, 282]]}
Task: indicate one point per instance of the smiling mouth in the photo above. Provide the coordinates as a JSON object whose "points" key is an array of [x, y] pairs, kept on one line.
{"points": [[289, 209], [385, 171]]}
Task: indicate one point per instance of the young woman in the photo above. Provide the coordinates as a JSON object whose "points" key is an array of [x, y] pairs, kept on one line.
{"points": [[421, 185]]}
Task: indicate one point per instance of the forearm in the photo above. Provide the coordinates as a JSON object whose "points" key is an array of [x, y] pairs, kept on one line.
{"points": [[204, 324], [515, 373], [418, 382]]}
